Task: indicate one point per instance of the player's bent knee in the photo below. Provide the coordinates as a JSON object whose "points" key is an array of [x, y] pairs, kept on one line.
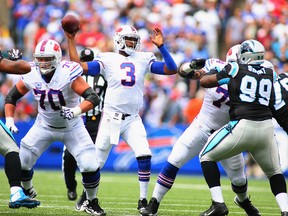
{"points": [[28, 157], [239, 181], [101, 164], [87, 162]]}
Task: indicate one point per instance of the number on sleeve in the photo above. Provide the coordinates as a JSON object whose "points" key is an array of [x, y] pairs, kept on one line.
{"points": [[223, 91]]}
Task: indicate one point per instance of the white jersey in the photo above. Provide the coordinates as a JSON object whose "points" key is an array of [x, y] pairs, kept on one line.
{"points": [[215, 108], [125, 77], [51, 96]]}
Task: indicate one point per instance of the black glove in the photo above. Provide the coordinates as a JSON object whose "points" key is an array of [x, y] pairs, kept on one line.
{"points": [[1, 56], [187, 76], [197, 64], [14, 54]]}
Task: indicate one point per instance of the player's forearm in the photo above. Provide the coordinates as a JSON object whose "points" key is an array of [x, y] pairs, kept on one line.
{"points": [[9, 110], [86, 105], [15, 67], [209, 81], [170, 65], [72, 50]]}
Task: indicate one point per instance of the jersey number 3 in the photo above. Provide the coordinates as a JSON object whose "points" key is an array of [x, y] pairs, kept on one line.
{"points": [[130, 74]]}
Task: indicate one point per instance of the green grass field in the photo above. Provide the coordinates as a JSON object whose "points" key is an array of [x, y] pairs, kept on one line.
{"points": [[119, 193]]}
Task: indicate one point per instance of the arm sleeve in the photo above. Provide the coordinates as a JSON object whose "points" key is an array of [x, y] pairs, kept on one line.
{"points": [[93, 68], [13, 96], [158, 67]]}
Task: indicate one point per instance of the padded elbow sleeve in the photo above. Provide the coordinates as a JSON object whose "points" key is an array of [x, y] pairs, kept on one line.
{"points": [[13, 96], [91, 96]]}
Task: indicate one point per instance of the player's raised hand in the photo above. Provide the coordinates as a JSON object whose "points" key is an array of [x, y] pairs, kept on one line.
{"points": [[11, 125], [14, 54], [157, 37]]}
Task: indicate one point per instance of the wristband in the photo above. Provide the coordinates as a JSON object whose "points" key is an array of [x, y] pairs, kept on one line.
{"points": [[76, 111]]}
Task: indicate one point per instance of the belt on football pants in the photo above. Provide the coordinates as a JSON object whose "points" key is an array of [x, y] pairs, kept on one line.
{"points": [[56, 127], [124, 116]]}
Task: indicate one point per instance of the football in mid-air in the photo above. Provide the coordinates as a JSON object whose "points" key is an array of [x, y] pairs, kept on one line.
{"points": [[70, 23]]}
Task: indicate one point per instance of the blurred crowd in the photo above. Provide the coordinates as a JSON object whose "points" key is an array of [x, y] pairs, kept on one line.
{"points": [[192, 29]]}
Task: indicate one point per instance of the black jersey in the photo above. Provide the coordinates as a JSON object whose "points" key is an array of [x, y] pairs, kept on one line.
{"points": [[280, 108], [251, 92], [99, 85]]}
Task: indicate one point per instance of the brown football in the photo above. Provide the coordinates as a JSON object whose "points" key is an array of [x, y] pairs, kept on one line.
{"points": [[70, 23]]}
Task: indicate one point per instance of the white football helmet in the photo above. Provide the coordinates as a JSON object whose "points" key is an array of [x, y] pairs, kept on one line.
{"points": [[47, 56], [251, 52], [267, 64], [232, 54], [126, 34]]}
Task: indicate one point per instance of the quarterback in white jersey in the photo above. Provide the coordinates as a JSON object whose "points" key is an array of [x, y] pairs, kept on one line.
{"points": [[57, 86], [213, 115], [125, 71]]}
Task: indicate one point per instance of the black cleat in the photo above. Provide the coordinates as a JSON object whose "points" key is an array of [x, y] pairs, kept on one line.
{"points": [[72, 194], [31, 192], [21, 200], [248, 207], [142, 203], [284, 213], [216, 209], [152, 208], [93, 208], [82, 202]]}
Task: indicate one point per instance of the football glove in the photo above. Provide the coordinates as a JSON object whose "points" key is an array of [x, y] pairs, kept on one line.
{"points": [[11, 125], [185, 71], [1, 56], [197, 64], [69, 113], [14, 54]]}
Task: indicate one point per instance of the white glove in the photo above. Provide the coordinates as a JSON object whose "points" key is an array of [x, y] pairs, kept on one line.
{"points": [[14, 54], [10, 125], [69, 113]]}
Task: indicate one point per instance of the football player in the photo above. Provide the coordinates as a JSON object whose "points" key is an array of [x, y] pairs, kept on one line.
{"points": [[57, 86], [250, 128], [213, 115], [125, 72], [280, 112], [8, 146], [91, 121]]}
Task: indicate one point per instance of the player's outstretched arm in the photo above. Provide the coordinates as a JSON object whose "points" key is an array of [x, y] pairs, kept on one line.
{"points": [[73, 54], [13, 67], [170, 66], [209, 81]]}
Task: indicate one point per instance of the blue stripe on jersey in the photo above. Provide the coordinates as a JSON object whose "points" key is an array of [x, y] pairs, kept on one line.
{"points": [[79, 72], [221, 134], [7, 130], [223, 81], [207, 65], [75, 69]]}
